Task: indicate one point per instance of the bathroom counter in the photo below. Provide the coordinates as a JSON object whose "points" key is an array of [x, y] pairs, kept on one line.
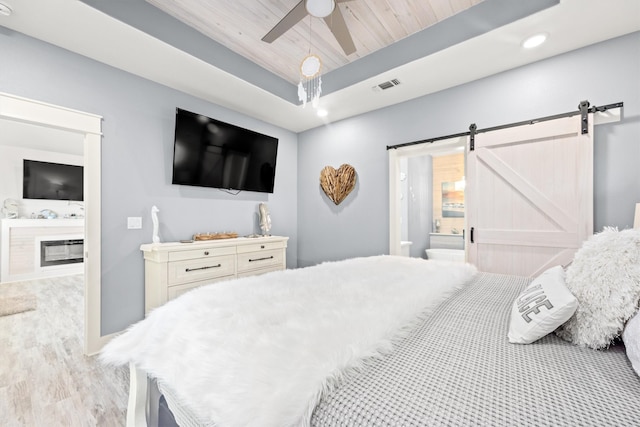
{"points": [[446, 241]]}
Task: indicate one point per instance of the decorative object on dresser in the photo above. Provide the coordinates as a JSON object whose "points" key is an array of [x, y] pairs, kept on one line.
{"points": [[215, 236], [265, 219], [172, 269], [154, 218], [337, 184]]}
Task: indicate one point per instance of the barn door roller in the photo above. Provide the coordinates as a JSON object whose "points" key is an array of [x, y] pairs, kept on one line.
{"points": [[584, 116], [472, 136]]}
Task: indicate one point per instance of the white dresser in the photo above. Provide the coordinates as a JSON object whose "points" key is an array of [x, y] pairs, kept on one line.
{"points": [[171, 269]]}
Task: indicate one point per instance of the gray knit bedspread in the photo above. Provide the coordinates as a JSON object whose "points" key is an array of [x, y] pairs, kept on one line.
{"points": [[458, 369]]}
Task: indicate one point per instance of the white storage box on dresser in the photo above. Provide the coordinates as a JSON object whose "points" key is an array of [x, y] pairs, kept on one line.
{"points": [[171, 269]]}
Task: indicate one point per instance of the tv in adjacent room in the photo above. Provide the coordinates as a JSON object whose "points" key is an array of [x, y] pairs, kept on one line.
{"points": [[52, 181], [211, 153]]}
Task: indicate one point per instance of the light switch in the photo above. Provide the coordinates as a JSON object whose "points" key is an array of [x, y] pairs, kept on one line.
{"points": [[134, 222]]}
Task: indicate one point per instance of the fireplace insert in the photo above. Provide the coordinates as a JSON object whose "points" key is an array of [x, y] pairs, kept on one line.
{"points": [[57, 252]]}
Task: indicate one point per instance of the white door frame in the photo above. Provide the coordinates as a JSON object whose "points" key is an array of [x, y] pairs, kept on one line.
{"points": [[395, 155], [90, 125]]}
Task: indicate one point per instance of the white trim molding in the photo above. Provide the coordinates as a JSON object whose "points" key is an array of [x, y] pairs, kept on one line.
{"points": [[39, 113], [395, 155]]}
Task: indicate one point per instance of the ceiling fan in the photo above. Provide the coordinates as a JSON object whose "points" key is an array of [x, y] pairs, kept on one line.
{"points": [[326, 9]]}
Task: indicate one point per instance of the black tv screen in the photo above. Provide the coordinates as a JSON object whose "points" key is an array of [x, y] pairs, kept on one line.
{"points": [[52, 181], [211, 153]]}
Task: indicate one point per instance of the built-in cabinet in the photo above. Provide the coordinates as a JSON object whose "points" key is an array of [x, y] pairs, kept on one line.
{"points": [[39, 248], [172, 269]]}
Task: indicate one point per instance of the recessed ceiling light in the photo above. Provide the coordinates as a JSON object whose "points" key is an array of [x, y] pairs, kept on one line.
{"points": [[534, 41], [5, 9], [322, 113]]}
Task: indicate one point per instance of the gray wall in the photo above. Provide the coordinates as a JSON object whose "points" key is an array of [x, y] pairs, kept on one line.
{"points": [[138, 138], [420, 212], [137, 150], [604, 73]]}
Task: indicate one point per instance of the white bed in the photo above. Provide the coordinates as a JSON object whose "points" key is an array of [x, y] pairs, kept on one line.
{"points": [[377, 341]]}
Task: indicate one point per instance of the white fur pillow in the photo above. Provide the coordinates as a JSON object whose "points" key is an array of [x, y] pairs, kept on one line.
{"points": [[605, 278], [631, 339], [543, 306]]}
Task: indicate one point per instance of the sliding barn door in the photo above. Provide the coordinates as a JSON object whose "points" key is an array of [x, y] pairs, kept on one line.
{"points": [[530, 196]]}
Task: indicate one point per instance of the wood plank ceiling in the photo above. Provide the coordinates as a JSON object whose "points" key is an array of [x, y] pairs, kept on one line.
{"points": [[374, 24]]}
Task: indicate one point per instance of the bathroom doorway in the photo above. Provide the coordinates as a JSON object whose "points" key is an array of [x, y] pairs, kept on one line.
{"points": [[426, 204]]}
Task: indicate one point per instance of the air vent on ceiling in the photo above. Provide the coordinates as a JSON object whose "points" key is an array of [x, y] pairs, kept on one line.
{"points": [[386, 85]]}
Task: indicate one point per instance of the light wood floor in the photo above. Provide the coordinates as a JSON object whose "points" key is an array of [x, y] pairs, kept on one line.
{"points": [[45, 379]]}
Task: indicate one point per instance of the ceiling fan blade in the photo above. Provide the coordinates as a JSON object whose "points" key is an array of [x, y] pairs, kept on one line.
{"points": [[338, 27], [294, 16]]}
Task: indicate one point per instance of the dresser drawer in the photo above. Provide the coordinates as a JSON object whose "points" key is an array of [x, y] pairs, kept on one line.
{"points": [[255, 260], [177, 290], [260, 271], [201, 253], [258, 247], [200, 269]]}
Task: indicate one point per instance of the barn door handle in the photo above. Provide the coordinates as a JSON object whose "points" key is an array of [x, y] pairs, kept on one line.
{"points": [[471, 235]]}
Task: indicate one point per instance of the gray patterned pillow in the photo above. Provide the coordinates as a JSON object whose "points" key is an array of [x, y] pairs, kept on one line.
{"points": [[543, 306], [605, 278]]}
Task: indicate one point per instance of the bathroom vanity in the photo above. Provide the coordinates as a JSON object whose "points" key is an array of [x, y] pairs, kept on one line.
{"points": [[446, 241]]}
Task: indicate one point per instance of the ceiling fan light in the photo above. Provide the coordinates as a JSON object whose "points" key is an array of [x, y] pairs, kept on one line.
{"points": [[320, 8]]}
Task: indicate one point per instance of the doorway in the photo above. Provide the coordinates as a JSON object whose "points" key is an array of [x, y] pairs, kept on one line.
{"points": [[88, 126], [424, 180]]}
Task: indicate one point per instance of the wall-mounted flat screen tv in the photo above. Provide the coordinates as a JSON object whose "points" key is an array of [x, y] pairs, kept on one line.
{"points": [[52, 181], [211, 153]]}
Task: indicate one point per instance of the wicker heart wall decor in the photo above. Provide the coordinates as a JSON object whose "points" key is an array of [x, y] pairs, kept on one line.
{"points": [[337, 184]]}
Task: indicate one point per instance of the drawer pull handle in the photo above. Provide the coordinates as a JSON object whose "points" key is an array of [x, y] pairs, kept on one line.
{"points": [[261, 259], [202, 268], [261, 246], [206, 252]]}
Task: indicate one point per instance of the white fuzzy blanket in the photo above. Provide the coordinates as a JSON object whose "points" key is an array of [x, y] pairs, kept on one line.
{"points": [[259, 351]]}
